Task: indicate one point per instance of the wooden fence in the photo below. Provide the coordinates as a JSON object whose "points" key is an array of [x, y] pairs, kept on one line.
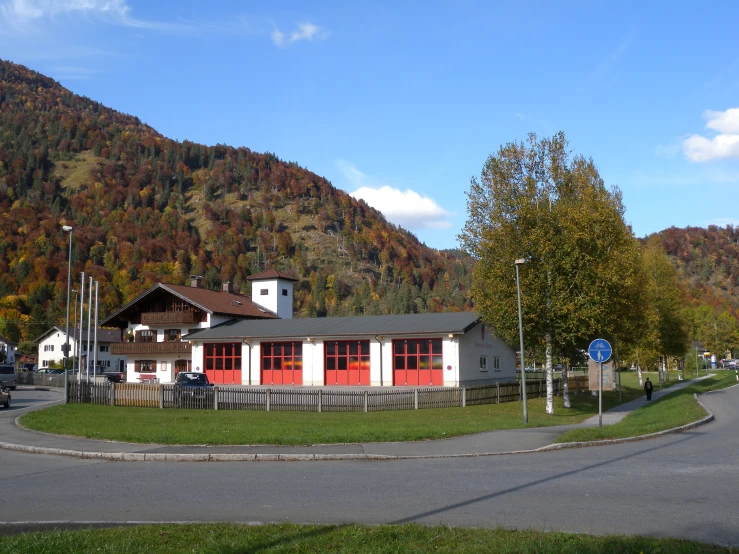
{"points": [[309, 399]]}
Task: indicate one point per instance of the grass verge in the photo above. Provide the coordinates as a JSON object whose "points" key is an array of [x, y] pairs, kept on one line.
{"points": [[152, 425], [231, 539], [223, 427], [673, 410]]}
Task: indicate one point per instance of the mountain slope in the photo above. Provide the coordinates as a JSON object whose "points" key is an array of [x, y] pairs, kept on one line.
{"points": [[708, 262], [145, 208]]}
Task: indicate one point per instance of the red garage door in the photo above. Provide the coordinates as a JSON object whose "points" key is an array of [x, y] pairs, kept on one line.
{"points": [[223, 363], [417, 362], [282, 363], [347, 362]]}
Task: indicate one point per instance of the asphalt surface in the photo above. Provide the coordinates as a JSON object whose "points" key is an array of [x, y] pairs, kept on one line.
{"points": [[678, 485]]}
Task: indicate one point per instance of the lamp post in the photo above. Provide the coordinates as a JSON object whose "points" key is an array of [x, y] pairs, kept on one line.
{"points": [[67, 229], [518, 262], [74, 329]]}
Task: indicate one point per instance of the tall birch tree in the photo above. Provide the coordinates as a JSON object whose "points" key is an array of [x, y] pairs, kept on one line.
{"points": [[537, 201]]}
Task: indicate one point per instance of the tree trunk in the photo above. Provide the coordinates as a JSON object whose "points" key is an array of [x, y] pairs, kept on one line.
{"points": [[667, 369], [550, 381], [566, 385], [638, 369]]}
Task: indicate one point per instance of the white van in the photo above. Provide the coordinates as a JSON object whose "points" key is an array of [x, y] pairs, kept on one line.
{"points": [[8, 377]]}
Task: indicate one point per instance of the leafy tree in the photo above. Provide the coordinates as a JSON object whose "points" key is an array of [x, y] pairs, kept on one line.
{"points": [[718, 332], [537, 202], [669, 332]]}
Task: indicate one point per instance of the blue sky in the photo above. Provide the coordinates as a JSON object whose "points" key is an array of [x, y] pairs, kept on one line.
{"points": [[401, 102]]}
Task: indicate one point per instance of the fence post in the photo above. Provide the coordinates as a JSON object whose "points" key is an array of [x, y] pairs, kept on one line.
{"points": [[497, 393], [269, 397], [320, 400], [366, 394], [464, 397], [112, 394], [415, 399], [215, 398], [161, 397]]}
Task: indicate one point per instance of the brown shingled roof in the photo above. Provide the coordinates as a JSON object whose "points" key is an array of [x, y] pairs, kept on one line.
{"points": [[271, 274], [219, 302], [213, 301]]}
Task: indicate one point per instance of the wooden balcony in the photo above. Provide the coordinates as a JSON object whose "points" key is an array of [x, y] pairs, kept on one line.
{"points": [[135, 348], [166, 318]]}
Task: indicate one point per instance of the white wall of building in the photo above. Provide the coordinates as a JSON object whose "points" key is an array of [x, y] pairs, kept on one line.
{"points": [[461, 359], [9, 352], [270, 294], [50, 349], [478, 343], [165, 362]]}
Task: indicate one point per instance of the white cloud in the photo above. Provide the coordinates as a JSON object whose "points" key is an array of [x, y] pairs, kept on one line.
{"points": [[406, 208], [20, 14], [701, 149], [721, 222], [698, 148], [305, 31], [23, 10], [723, 122]]}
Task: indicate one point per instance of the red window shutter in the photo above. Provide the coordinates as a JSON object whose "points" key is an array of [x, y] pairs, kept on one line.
{"points": [[153, 365], [137, 366]]}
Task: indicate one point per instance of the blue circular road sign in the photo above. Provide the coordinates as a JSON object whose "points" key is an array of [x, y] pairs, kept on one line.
{"points": [[600, 350]]}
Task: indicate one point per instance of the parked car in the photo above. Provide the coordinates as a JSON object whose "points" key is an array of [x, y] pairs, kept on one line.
{"points": [[115, 376], [4, 398], [191, 389], [8, 377]]}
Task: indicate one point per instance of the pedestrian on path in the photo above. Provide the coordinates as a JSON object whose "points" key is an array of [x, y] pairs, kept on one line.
{"points": [[648, 389]]}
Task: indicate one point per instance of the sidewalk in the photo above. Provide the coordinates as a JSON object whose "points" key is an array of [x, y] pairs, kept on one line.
{"points": [[481, 444]]}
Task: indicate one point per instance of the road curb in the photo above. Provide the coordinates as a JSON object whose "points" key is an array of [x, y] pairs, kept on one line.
{"points": [[173, 457], [687, 427]]}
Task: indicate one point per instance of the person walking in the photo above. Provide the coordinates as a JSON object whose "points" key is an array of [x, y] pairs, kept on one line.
{"points": [[648, 388]]}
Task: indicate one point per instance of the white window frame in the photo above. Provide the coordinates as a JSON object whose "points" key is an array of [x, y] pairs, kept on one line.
{"points": [[484, 364]]}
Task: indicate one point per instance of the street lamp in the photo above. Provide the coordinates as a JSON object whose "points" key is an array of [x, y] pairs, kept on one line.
{"points": [[67, 229], [74, 328], [518, 262]]}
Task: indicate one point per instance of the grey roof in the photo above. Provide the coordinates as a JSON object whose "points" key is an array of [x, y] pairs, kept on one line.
{"points": [[411, 324], [104, 335]]}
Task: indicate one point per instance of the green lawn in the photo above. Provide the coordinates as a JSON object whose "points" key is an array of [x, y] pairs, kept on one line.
{"points": [[233, 539], [673, 410], [153, 425]]}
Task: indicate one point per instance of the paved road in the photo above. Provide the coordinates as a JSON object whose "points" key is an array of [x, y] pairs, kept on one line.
{"points": [[684, 485]]}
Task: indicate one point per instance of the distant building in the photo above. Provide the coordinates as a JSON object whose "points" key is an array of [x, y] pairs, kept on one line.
{"points": [[51, 348], [7, 351], [152, 325], [446, 349], [254, 340]]}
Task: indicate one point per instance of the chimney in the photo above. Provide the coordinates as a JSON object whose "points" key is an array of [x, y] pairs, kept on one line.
{"points": [[227, 287], [195, 281]]}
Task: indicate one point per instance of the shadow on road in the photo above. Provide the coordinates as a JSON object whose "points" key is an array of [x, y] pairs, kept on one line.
{"points": [[531, 484]]}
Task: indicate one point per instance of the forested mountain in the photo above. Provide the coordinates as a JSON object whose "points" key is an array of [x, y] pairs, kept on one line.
{"points": [[708, 262], [145, 209]]}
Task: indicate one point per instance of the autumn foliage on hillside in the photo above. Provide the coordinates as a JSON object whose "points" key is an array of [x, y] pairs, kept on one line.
{"points": [[145, 209], [708, 262]]}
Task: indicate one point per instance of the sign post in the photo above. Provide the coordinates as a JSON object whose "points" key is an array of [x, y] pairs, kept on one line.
{"points": [[600, 351]]}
